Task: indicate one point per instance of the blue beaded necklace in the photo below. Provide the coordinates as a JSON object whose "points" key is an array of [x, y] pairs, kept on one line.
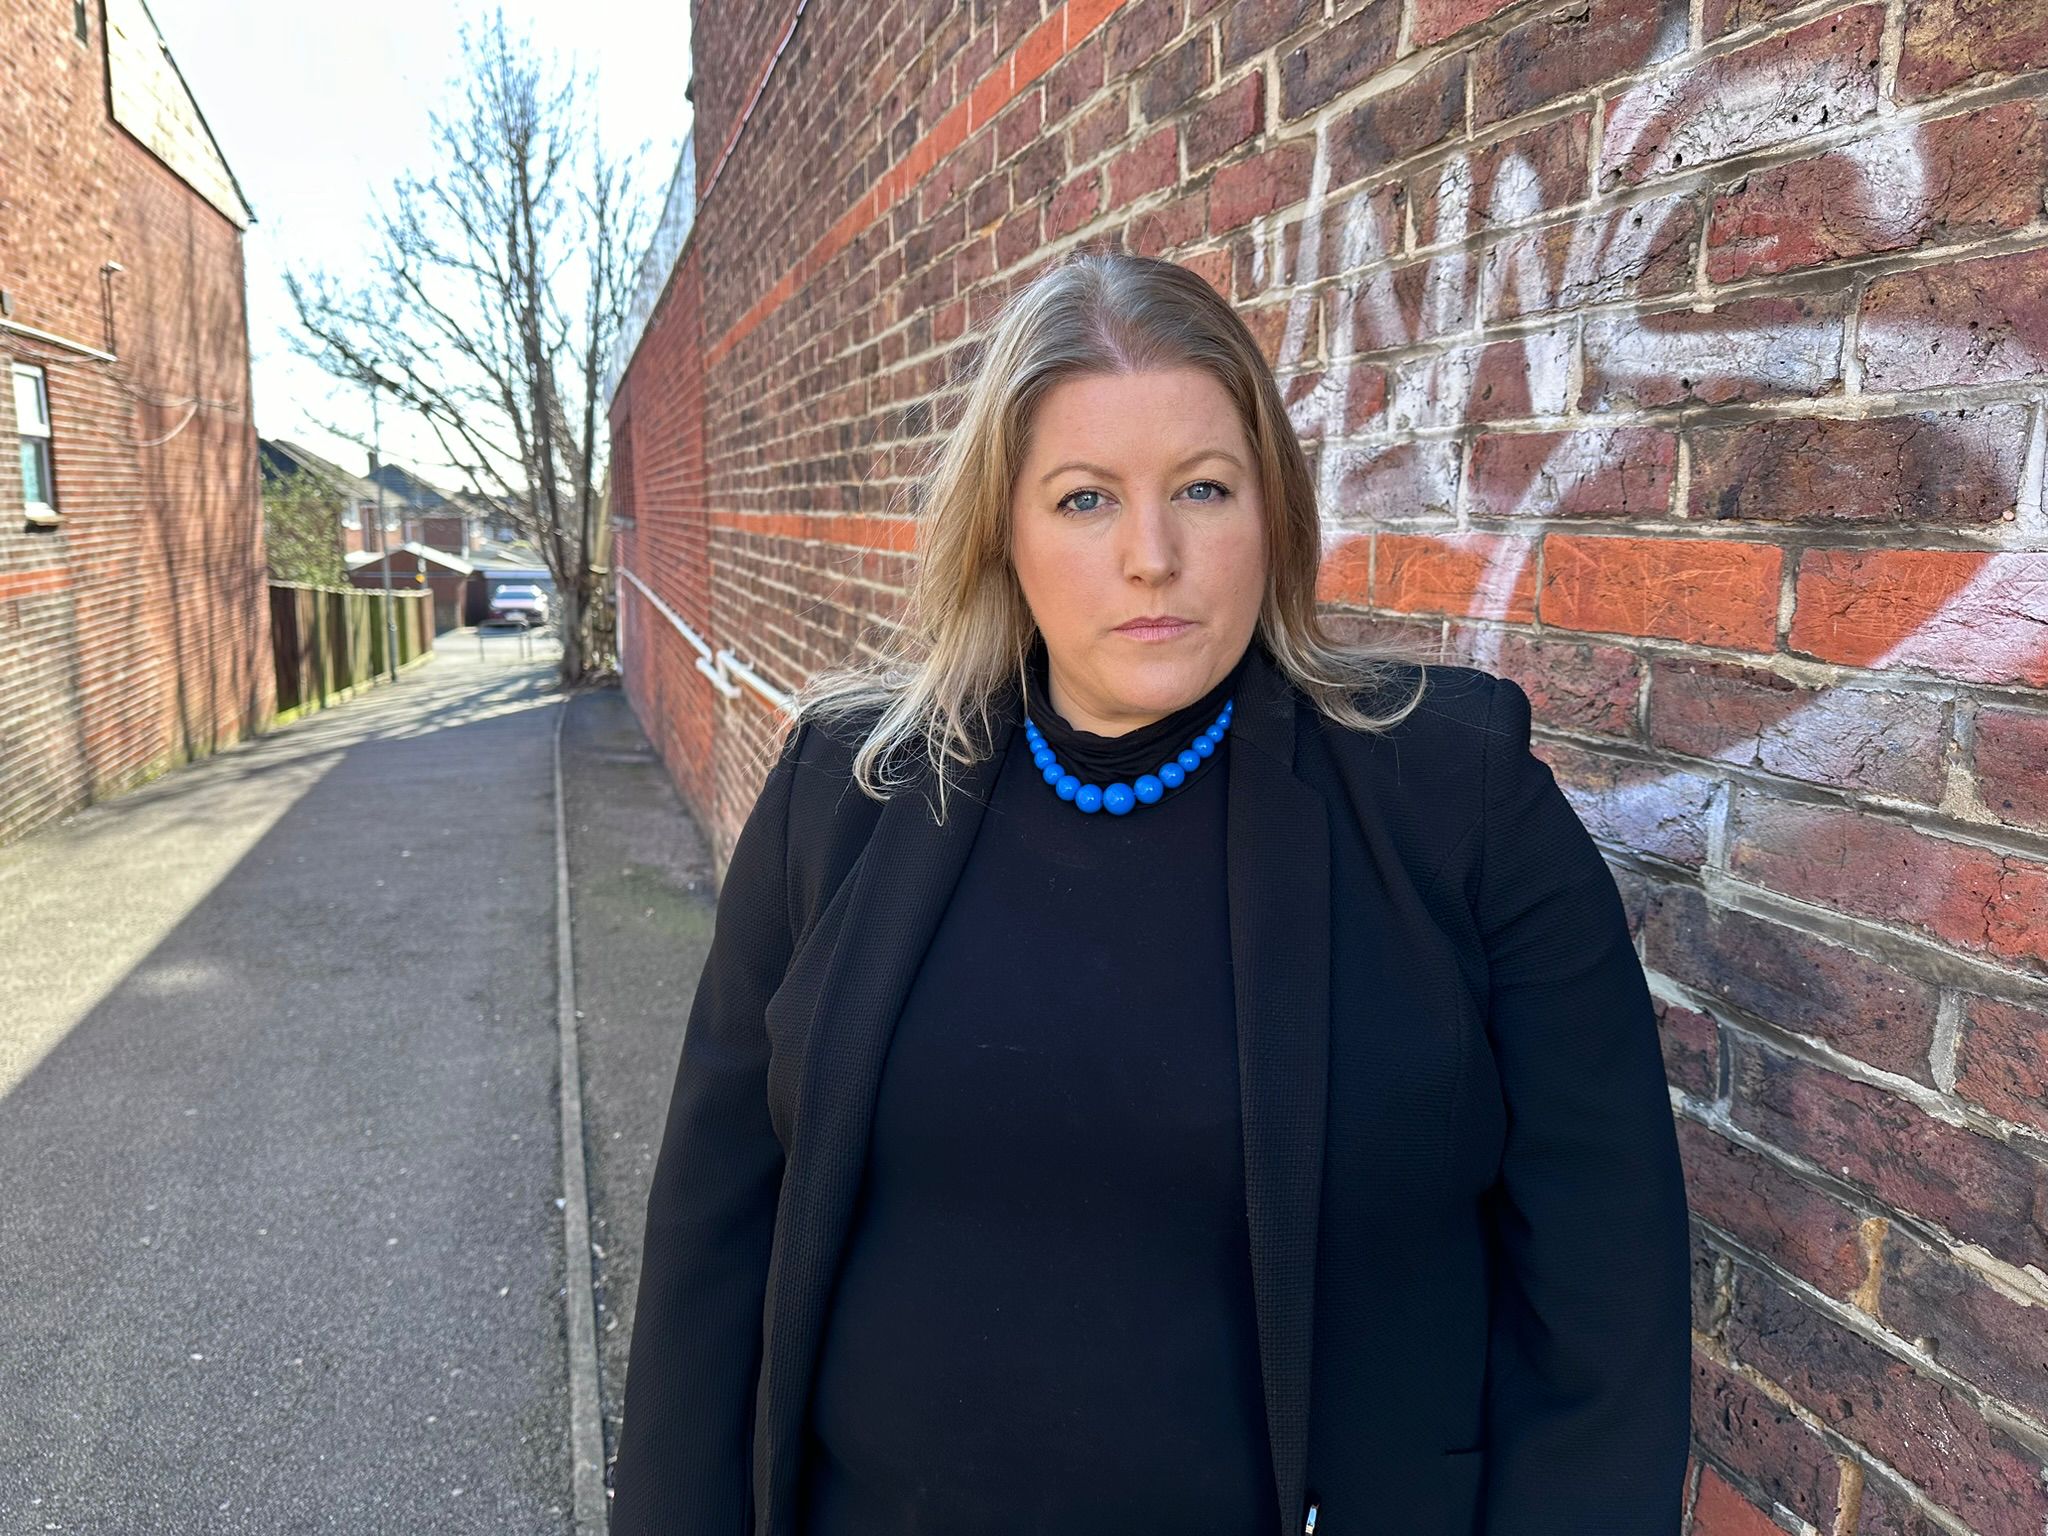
{"points": [[1120, 799]]}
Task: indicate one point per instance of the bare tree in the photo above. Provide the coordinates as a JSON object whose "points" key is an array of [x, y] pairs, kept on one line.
{"points": [[498, 291]]}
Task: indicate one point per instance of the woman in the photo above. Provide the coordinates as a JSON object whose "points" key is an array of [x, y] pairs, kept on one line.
{"points": [[1157, 1069]]}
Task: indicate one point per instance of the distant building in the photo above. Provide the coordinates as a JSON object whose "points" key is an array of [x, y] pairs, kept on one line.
{"points": [[355, 498], [134, 617]]}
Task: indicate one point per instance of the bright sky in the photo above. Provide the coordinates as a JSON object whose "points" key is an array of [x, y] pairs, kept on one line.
{"points": [[319, 108]]}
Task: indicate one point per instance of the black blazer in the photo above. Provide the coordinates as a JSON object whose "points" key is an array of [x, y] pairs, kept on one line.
{"points": [[1468, 1225]]}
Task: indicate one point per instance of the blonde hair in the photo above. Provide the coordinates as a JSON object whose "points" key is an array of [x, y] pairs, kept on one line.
{"points": [[966, 630]]}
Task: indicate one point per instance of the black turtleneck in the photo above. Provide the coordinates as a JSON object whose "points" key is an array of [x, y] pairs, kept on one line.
{"points": [[1043, 1319]]}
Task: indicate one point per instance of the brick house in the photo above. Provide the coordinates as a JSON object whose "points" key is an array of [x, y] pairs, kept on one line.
{"points": [[354, 498], [1686, 360], [134, 628]]}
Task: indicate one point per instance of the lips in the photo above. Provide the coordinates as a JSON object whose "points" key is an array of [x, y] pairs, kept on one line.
{"points": [[1155, 627]]}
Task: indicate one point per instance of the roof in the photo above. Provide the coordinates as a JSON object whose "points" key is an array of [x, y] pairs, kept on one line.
{"points": [[411, 490], [358, 559], [147, 94], [280, 459]]}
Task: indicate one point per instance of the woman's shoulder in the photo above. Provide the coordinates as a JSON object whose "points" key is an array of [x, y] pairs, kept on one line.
{"points": [[1435, 706]]}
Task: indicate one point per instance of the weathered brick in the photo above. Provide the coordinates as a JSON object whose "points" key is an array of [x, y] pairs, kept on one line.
{"points": [[1978, 900], [1709, 591], [1981, 1189], [1651, 808], [1398, 306], [1866, 739], [1240, 192], [1570, 48], [1817, 76], [1174, 81], [2002, 1060], [1769, 1208], [1720, 17], [1398, 123], [1957, 178], [1643, 250], [1233, 116], [1765, 1444], [1930, 1433], [1341, 233], [1691, 1052], [1619, 472], [1950, 467], [2011, 752], [1528, 376], [1795, 981], [1962, 613], [1337, 57], [1948, 42], [1375, 483], [1250, 27], [1150, 165], [1455, 574], [1971, 322], [1580, 685], [1949, 1310], [1508, 181], [1755, 349], [1435, 20]]}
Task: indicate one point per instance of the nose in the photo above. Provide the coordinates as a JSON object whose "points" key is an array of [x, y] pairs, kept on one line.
{"points": [[1151, 541]]}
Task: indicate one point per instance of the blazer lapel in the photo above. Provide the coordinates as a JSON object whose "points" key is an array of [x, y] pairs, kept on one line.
{"points": [[904, 877], [1277, 874], [1277, 864]]}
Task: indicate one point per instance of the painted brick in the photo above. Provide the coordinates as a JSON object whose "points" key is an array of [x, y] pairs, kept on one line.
{"points": [[1613, 472], [1753, 349], [1420, 574], [1875, 741], [1960, 613], [1644, 250], [1943, 468], [1953, 179], [1509, 181], [1709, 591], [1973, 322], [1814, 77]]}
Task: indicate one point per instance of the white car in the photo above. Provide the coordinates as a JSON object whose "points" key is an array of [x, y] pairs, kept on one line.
{"points": [[523, 605]]}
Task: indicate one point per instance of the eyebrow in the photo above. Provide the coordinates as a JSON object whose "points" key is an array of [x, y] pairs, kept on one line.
{"points": [[1110, 474]]}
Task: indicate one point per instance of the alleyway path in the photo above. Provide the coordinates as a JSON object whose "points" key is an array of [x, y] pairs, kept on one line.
{"points": [[281, 1232]]}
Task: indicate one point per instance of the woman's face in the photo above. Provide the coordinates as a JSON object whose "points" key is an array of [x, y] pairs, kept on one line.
{"points": [[1138, 499]]}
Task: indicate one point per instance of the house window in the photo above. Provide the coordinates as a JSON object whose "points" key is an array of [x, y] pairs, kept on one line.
{"points": [[32, 422], [78, 18]]}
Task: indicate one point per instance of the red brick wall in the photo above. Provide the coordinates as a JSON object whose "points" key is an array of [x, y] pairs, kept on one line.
{"points": [[1686, 360], [135, 635]]}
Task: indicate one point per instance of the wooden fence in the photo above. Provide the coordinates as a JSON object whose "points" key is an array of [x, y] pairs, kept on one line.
{"points": [[328, 641]]}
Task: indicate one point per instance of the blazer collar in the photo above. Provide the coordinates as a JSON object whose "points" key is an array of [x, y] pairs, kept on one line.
{"points": [[1276, 870]]}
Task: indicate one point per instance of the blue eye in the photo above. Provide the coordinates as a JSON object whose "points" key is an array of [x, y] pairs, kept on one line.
{"points": [[1061, 504], [1222, 490]]}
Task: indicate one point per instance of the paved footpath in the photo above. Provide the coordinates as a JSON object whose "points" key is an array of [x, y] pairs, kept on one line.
{"points": [[281, 1232]]}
